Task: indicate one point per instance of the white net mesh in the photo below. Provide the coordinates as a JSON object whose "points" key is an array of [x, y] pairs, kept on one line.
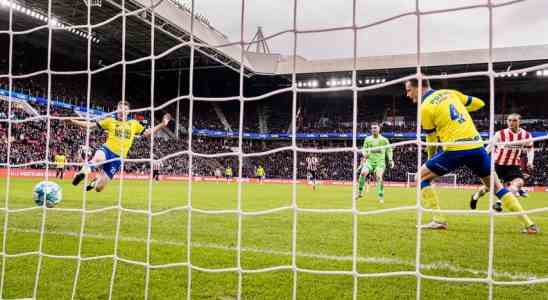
{"points": [[239, 212], [96, 3], [448, 180]]}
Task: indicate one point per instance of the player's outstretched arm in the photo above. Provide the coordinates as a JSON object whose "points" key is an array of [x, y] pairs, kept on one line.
{"points": [[81, 123], [164, 123], [472, 103]]}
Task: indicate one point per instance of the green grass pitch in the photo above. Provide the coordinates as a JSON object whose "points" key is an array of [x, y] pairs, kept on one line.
{"points": [[385, 243]]}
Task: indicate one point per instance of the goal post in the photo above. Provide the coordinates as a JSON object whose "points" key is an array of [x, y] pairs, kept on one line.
{"points": [[447, 180]]}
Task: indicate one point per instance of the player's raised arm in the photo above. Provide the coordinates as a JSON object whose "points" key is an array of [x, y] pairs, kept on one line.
{"points": [[164, 123]]}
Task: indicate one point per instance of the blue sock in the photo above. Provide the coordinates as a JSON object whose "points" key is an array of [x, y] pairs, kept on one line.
{"points": [[502, 192]]}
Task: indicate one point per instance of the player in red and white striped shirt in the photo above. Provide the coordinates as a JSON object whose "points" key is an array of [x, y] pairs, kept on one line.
{"points": [[508, 157], [312, 164], [156, 167]]}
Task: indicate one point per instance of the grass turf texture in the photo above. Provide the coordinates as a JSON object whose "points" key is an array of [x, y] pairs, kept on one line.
{"points": [[386, 243]]}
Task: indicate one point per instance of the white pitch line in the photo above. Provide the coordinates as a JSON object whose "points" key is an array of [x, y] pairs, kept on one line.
{"points": [[439, 265]]}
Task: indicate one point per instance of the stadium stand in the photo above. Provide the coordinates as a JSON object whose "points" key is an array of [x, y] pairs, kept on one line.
{"points": [[28, 142]]}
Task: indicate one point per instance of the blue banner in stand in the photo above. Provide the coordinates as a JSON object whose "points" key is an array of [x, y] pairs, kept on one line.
{"points": [[317, 136], [235, 134], [55, 103], [288, 136]]}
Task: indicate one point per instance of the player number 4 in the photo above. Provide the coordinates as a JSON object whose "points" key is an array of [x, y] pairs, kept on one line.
{"points": [[455, 114]]}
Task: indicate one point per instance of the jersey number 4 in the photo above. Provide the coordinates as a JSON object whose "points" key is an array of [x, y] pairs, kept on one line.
{"points": [[455, 114]]}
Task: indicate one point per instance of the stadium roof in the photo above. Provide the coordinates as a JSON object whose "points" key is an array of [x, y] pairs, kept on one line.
{"points": [[173, 27], [276, 64], [460, 57]]}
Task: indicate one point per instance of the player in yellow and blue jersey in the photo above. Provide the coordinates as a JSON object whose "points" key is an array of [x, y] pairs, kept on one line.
{"points": [[260, 173], [445, 118], [228, 173], [120, 135], [60, 160]]}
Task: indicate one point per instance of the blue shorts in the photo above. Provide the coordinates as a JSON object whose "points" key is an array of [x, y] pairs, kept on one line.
{"points": [[112, 167], [477, 160]]}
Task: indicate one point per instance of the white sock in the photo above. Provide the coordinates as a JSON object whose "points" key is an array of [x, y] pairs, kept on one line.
{"points": [[85, 169]]}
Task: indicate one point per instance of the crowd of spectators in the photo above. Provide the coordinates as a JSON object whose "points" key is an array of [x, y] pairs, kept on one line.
{"points": [[28, 142], [28, 148], [312, 117], [71, 91]]}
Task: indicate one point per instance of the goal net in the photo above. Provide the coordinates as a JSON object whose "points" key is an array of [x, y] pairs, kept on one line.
{"points": [[448, 180], [96, 3], [84, 248]]}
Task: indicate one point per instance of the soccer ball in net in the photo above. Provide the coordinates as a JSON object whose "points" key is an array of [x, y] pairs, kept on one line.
{"points": [[48, 192]]}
